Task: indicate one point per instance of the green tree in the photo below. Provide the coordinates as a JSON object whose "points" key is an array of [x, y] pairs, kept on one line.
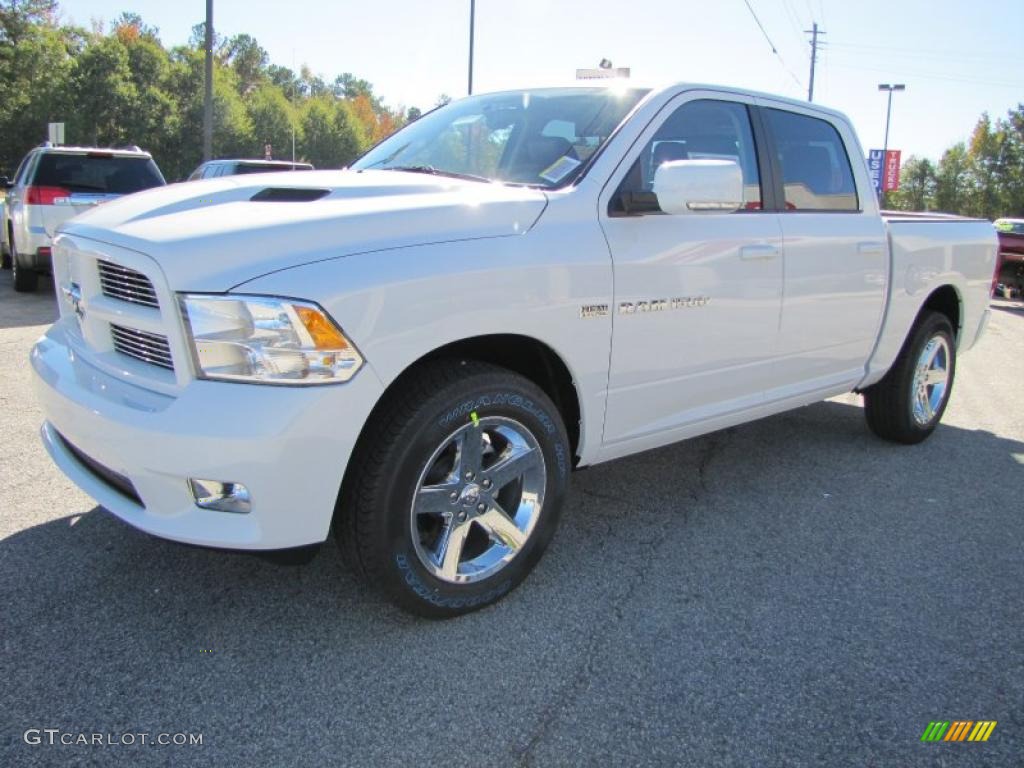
{"points": [[248, 60], [953, 180], [273, 120], [103, 92], [36, 60], [917, 186], [331, 135]]}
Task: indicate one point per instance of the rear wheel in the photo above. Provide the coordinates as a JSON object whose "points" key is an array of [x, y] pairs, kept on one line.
{"points": [[907, 405], [455, 489], [25, 280]]}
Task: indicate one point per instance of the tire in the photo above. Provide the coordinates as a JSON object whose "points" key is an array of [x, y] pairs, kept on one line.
{"points": [[907, 405], [25, 280], [5, 255], [407, 493]]}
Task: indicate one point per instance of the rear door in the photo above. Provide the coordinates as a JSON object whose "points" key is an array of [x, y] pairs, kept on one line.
{"points": [[836, 251], [697, 296]]}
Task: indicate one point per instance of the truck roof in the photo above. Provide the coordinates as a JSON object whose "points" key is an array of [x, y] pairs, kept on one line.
{"points": [[76, 150], [656, 88]]}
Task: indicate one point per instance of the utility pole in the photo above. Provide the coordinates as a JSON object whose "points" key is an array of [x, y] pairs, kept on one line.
{"points": [[472, 24], [813, 32], [208, 93], [293, 124]]}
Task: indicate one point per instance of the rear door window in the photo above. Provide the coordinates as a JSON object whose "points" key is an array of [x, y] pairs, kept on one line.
{"points": [[97, 173], [815, 165]]}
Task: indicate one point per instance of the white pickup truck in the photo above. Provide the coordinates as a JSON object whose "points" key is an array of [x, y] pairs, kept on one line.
{"points": [[415, 352]]}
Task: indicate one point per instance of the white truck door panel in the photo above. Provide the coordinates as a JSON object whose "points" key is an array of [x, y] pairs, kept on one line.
{"points": [[836, 254], [697, 296]]}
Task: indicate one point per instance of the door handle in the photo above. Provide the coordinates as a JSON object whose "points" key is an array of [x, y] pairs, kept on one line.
{"points": [[869, 249], [754, 252]]}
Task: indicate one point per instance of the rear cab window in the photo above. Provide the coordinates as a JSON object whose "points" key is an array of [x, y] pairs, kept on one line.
{"points": [[816, 171], [97, 172]]}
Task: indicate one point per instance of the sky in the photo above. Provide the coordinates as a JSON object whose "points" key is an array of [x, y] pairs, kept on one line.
{"points": [[957, 59]]}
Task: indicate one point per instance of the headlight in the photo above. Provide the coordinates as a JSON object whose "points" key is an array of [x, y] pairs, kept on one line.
{"points": [[269, 340]]}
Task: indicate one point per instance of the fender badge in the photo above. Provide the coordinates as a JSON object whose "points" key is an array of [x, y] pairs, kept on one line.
{"points": [[593, 310]]}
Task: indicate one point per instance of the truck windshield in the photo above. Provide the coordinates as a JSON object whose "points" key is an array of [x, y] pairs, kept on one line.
{"points": [[538, 138]]}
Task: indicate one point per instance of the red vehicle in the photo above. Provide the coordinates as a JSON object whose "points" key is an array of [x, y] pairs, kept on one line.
{"points": [[1010, 273]]}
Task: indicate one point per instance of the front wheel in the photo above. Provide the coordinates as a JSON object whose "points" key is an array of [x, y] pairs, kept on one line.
{"points": [[907, 405], [455, 489]]}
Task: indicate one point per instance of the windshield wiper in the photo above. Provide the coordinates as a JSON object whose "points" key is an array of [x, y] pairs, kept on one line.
{"points": [[429, 169]]}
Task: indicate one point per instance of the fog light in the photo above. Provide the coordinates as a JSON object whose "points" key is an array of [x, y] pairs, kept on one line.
{"points": [[223, 497]]}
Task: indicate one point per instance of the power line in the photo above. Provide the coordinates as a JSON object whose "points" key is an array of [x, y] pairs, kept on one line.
{"points": [[909, 52], [771, 44], [761, 26], [942, 78], [794, 20]]}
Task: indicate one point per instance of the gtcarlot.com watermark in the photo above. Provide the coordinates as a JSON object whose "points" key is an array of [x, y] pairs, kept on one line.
{"points": [[55, 736]]}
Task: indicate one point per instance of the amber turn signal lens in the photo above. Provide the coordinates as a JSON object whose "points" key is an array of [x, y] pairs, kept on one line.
{"points": [[325, 335]]}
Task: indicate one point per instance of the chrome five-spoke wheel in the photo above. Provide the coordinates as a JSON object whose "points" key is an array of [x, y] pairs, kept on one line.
{"points": [[906, 405], [931, 377], [478, 499]]}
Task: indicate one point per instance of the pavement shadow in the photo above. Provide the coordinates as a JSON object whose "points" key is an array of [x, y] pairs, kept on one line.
{"points": [[19, 310], [1015, 309], [104, 625]]}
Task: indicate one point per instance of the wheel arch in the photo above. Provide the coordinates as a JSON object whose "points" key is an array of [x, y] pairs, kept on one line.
{"points": [[945, 300], [526, 355]]}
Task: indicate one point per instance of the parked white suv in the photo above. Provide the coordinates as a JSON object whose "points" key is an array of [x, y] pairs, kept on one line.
{"points": [[416, 353], [52, 185]]}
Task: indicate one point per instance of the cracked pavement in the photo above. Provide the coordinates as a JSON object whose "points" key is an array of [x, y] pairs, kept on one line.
{"points": [[792, 592]]}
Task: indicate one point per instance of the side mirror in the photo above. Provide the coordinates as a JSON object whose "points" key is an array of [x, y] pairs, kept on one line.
{"points": [[699, 186], [5, 183]]}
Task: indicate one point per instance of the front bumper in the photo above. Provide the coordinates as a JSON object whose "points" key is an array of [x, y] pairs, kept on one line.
{"points": [[288, 445]]}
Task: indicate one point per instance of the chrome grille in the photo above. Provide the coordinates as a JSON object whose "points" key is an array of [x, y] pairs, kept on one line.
{"points": [[126, 284], [147, 347]]}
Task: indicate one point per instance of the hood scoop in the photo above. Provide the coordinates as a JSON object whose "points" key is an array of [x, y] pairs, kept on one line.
{"points": [[288, 195]]}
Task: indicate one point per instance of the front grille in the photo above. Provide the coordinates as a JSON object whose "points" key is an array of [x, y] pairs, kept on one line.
{"points": [[147, 347], [126, 284], [118, 482]]}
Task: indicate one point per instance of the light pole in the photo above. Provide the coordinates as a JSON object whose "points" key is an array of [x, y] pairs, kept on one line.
{"points": [[888, 118], [472, 24]]}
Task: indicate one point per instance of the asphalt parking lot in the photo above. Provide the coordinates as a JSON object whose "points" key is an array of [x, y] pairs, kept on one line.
{"points": [[793, 592]]}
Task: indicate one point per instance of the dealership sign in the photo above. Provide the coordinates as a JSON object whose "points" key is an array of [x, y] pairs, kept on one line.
{"points": [[884, 168]]}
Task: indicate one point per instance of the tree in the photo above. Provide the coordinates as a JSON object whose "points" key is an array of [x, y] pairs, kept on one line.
{"points": [[331, 134], [36, 59], [104, 94], [917, 186], [952, 180], [273, 120], [248, 60], [21, 18]]}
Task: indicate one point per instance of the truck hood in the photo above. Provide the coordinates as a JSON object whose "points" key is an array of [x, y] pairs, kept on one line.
{"points": [[213, 235]]}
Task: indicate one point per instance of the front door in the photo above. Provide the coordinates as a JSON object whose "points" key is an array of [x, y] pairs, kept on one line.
{"points": [[698, 295]]}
